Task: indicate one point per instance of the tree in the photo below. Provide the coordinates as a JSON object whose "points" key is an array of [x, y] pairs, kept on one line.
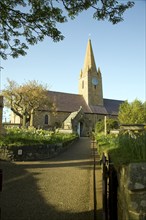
{"points": [[25, 22], [132, 113], [111, 124], [25, 99]]}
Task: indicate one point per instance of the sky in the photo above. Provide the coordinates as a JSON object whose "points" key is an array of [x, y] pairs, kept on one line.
{"points": [[119, 50]]}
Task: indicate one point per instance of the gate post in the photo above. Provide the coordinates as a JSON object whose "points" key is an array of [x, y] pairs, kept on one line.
{"points": [[1, 179], [104, 187], [113, 184]]}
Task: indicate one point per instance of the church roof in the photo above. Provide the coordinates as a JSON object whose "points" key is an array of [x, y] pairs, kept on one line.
{"points": [[98, 109], [112, 106], [67, 102]]}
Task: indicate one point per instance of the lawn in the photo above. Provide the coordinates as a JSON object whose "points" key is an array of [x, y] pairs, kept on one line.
{"points": [[31, 137], [32, 144]]}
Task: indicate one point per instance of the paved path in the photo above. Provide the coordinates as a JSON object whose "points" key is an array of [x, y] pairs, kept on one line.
{"points": [[57, 189]]}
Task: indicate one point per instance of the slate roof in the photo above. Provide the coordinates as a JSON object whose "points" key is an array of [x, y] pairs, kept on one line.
{"points": [[98, 109], [112, 106], [66, 102]]}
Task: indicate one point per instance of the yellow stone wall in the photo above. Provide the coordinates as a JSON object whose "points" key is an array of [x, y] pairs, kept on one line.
{"points": [[89, 120], [92, 94], [54, 119]]}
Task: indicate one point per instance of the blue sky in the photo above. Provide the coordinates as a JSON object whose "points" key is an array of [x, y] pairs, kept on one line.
{"points": [[119, 51]]}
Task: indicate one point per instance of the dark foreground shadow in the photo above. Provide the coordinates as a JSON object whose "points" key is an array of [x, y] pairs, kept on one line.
{"points": [[21, 198], [87, 165]]}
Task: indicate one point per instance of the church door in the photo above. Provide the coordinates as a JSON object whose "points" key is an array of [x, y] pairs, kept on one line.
{"points": [[78, 129]]}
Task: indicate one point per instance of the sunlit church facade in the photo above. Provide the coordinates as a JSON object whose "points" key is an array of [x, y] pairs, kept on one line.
{"points": [[78, 112]]}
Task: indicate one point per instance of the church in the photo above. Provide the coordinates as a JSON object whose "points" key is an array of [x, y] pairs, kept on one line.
{"points": [[79, 112]]}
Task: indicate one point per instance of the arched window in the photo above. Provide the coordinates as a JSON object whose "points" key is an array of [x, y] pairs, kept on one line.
{"points": [[46, 119]]}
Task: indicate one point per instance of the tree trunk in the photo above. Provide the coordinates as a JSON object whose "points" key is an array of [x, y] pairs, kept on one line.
{"points": [[32, 118], [105, 125], [24, 117]]}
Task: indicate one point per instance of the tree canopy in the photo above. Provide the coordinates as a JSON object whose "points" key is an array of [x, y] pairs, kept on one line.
{"points": [[132, 113], [110, 122], [25, 99], [25, 22]]}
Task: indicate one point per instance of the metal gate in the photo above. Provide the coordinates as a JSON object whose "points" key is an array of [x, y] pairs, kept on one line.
{"points": [[1, 181], [109, 189]]}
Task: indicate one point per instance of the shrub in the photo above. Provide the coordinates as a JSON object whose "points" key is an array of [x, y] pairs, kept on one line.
{"points": [[125, 148], [111, 124], [29, 137]]}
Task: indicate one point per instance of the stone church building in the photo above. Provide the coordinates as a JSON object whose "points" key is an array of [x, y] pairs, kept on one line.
{"points": [[79, 112]]}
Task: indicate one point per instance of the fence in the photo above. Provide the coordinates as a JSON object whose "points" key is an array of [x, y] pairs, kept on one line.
{"points": [[109, 189]]}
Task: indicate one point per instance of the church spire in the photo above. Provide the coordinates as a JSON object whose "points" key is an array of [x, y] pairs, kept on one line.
{"points": [[89, 63], [90, 81]]}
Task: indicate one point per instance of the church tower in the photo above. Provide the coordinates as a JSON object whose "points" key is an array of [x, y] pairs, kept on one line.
{"points": [[90, 82]]}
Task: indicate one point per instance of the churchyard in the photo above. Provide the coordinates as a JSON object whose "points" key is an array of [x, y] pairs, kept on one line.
{"points": [[32, 144], [124, 148]]}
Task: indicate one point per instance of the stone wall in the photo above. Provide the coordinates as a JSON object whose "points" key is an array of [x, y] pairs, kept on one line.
{"points": [[30, 153], [58, 118], [132, 192], [89, 120]]}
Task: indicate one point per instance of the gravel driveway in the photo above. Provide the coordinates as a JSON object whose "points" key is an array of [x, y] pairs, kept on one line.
{"points": [[57, 189]]}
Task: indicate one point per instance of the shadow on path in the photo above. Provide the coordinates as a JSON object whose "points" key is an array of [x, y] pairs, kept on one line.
{"points": [[21, 197]]}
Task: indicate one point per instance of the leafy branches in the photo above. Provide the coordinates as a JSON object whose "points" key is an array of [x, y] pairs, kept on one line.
{"points": [[111, 10], [25, 99], [132, 113], [26, 22]]}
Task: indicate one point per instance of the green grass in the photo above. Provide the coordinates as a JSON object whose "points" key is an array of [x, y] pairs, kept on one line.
{"points": [[125, 148], [31, 137]]}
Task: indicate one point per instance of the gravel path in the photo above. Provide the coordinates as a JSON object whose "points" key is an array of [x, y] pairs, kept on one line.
{"points": [[57, 189]]}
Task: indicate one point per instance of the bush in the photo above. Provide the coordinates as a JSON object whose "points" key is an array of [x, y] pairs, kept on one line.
{"points": [[111, 124], [30, 137], [125, 148]]}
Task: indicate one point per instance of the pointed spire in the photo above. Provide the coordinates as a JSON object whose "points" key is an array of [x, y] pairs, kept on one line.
{"points": [[81, 73], [99, 72], [89, 62]]}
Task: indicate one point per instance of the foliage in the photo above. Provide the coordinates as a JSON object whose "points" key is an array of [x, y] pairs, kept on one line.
{"points": [[125, 148], [25, 22], [111, 124], [106, 141], [99, 127], [132, 113], [25, 99], [31, 137]]}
